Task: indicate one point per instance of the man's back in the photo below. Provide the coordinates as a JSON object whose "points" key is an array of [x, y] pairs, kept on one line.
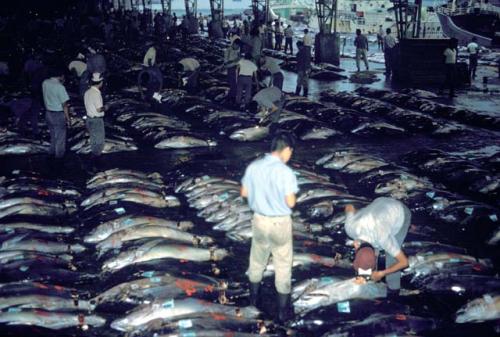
{"points": [[361, 42], [268, 180]]}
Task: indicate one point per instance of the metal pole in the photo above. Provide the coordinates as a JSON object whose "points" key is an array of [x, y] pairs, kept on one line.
{"points": [[335, 17], [143, 6], [163, 6]]}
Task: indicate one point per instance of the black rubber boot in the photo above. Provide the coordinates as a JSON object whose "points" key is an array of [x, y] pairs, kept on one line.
{"points": [[284, 308], [297, 91], [306, 91], [254, 293]]}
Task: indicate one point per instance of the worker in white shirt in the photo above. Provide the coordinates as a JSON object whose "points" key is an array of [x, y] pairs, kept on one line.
{"points": [[247, 72], [78, 66], [189, 71], [308, 40], [94, 108], [273, 67], [150, 56], [450, 60], [388, 47], [473, 49]]}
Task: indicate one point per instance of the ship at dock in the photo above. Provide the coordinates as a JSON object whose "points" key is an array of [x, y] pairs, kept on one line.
{"points": [[464, 20]]}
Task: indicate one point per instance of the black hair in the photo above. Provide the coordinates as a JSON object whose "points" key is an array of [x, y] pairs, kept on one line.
{"points": [[282, 140], [248, 56], [56, 71], [300, 44], [358, 31], [388, 30], [365, 245]]}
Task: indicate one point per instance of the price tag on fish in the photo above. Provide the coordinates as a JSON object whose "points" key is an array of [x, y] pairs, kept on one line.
{"points": [[344, 307], [185, 323], [168, 304], [120, 210]]}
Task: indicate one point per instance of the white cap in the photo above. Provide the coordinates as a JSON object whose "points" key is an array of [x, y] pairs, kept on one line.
{"points": [[97, 77], [80, 56]]}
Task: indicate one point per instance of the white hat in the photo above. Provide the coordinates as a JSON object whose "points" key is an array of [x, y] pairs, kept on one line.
{"points": [[80, 56], [97, 77]]}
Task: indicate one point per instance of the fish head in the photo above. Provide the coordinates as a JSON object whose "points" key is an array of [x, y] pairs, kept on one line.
{"points": [[121, 324], [78, 248], [249, 312]]}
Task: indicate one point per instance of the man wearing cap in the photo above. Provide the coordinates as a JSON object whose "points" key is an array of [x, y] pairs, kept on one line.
{"points": [[189, 68], [56, 100], [231, 59], [270, 186], [95, 114], [383, 225]]}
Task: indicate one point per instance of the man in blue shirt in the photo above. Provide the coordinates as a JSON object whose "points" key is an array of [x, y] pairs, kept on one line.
{"points": [[56, 100], [270, 186]]}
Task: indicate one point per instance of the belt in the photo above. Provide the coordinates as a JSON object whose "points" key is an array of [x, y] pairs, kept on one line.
{"points": [[55, 111], [94, 117]]}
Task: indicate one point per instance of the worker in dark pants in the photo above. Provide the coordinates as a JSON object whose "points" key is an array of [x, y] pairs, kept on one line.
{"points": [[273, 67], [94, 108], [247, 74], [303, 69], [389, 42], [56, 100], [270, 103], [189, 71], [270, 187], [450, 60], [289, 39], [473, 49], [151, 79], [382, 225], [231, 59]]}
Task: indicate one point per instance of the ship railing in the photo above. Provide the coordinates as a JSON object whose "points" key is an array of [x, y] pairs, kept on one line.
{"points": [[453, 11]]}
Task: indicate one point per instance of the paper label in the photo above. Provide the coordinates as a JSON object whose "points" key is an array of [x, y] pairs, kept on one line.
{"points": [[430, 194], [113, 202], [120, 210], [168, 304], [344, 307], [469, 210], [185, 323]]}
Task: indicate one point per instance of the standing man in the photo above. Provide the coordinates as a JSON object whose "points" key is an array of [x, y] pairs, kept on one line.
{"points": [[289, 39], [247, 72], [278, 35], [189, 68], [231, 59], [303, 69], [95, 114], [361, 44], [383, 224], [56, 100], [450, 59], [308, 40], [473, 49], [389, 44], [273, 67], [380, 38], [270, 186]]}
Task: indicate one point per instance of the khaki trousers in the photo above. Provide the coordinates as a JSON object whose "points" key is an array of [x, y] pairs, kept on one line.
{"points": [[272, 235]]}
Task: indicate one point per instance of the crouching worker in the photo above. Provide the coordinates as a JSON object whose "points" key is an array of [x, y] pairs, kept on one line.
{"points": [[189, 70], [381, 225], [269, 103]]}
